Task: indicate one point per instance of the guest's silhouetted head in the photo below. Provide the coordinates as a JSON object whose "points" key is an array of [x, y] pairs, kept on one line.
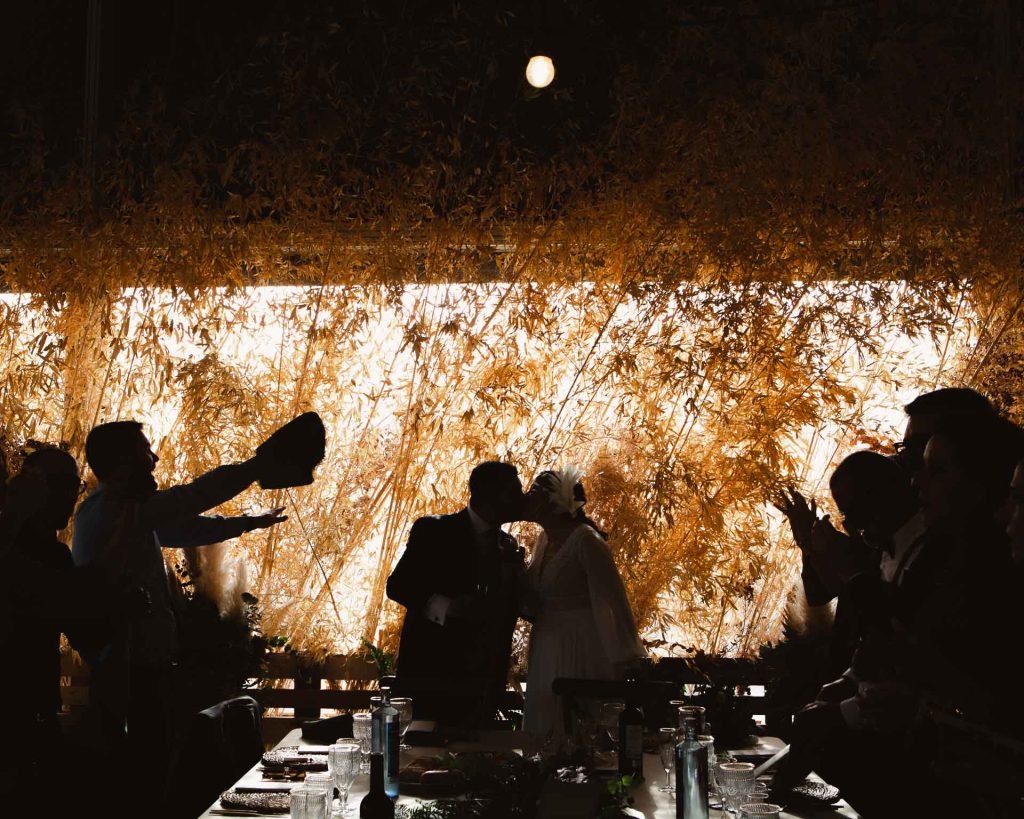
{"points": [[967, 471], [495, 492], [939, 408], [120, 453], [874, 495], [59, 472]]}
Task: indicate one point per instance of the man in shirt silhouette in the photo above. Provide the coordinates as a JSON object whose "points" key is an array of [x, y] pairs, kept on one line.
{"points": [[458, 581]]}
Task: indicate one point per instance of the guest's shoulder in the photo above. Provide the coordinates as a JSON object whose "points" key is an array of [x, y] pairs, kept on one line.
{"points": [[92, 506]]}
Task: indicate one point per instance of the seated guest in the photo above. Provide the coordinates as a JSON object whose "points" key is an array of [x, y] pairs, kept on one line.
{"points": [[458, 580], [942, 599], [879, 512]]}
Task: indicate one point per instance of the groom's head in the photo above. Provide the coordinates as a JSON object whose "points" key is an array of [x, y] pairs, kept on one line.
{"points": [[495, 492]]}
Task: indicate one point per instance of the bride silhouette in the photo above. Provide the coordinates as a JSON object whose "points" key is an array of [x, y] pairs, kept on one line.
{"points": [[583, 624]]}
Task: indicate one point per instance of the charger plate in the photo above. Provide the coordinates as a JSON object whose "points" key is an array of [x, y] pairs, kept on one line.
{"points": [[292, 758], [260, 802]]}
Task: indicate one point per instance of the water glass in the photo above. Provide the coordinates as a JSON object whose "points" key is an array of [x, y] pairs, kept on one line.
{"points": [[309, 803], [343, 761], [362, 730], [667, 738], [758, 792], [320, 779], [754, 810], [734, 780], [404, 708]]}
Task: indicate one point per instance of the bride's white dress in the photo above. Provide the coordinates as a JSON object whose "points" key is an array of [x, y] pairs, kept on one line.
{"points": [[583, 623]]}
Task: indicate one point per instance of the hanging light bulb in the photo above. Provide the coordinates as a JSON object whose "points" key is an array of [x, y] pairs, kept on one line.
{"points": [[540, 71]]}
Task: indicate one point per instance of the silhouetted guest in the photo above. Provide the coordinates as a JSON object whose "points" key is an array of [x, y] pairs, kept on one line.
{"points": [[937, 639], [458, 580], [47, 596], [929, 411], [970, 598], [122, 527]]}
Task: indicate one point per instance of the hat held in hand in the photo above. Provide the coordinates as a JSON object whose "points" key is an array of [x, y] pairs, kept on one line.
{"points": [[289, 456]]}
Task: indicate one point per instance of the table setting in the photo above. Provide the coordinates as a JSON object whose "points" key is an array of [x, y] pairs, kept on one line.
{"points": [[505, 774]]}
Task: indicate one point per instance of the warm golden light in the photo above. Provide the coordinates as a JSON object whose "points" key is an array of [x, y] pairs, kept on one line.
{"points": [[684, 408], [540, 71]]}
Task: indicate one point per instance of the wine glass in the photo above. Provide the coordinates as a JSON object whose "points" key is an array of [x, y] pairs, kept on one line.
{"points": [[667, 749], [362, 731], [344, 759], [694, 712], [610, 712], [404, 708]]}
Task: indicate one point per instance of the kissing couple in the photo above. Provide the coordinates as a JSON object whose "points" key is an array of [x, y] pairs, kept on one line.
{"points": [[465, 582]]}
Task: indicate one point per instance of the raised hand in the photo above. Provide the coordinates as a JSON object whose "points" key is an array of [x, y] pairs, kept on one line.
{"points": [[801, 515], [267, 519]]}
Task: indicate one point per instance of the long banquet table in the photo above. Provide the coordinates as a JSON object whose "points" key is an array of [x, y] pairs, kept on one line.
{"points": [[649, 802]]}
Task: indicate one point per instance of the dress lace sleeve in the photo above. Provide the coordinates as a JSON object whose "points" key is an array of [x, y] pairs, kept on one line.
{"points": [[612, 613], [529, 583]]}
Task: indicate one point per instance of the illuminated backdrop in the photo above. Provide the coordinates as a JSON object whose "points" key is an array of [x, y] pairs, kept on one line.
{"points": [[685, 404]]}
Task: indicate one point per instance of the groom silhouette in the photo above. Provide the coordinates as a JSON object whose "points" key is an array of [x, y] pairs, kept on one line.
{"points": [[458, 580]]}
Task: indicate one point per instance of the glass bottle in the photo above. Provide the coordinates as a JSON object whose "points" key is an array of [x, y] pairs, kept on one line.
{"points": [[385, 739], [376, 804], [691, 775]]}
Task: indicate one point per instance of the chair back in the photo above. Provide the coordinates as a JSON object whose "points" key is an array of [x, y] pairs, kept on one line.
{"points": [[223, 742]]}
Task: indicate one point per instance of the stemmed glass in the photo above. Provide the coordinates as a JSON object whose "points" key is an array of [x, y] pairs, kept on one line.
{"points": [[667, 738], [362, 730], [610, 712], [404, 707], [344, 759], [695, 712]]}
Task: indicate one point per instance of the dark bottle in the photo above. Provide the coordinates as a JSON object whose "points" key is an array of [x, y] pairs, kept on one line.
{"points": [[631, 735], [376, 804], [691, 775]]}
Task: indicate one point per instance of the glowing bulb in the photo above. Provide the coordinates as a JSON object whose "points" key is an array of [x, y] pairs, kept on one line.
{"points": [[540, 71]]}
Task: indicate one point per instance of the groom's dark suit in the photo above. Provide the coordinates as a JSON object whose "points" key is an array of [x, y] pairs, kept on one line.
{"points": [[446, 557]]}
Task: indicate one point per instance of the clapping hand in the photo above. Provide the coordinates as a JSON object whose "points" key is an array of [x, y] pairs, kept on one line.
{"points": [[267, 519], [801, 515]]}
